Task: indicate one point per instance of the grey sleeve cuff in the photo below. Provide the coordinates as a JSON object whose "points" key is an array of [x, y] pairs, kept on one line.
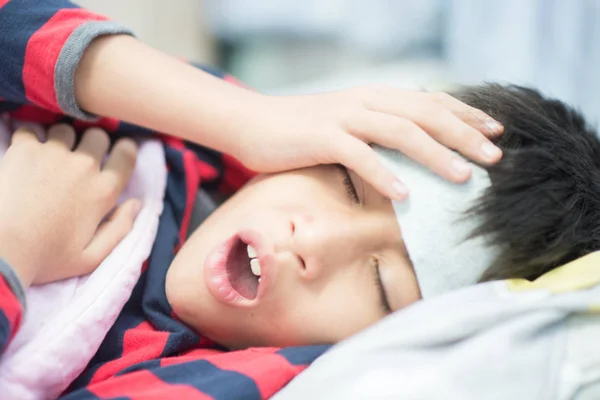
{"points": [[13, 281], [68, 59]]}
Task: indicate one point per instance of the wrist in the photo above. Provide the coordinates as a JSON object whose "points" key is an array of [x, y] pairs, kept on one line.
{"points": [[19, 258], [244, 117]]}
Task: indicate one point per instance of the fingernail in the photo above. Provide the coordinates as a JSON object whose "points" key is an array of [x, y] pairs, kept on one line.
{"points": [[490, 152], [493, 126], [400, 191], [461, 167], [137, 207]]}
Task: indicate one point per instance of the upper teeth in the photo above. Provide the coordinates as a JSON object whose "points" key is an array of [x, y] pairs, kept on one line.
{"points": [[254, 263]]}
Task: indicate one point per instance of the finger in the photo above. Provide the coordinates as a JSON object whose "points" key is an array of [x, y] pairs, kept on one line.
{"points": [[470, 115], [120, 164], [95, 143], [109, 234], [361, 158], [452, 132], [407, 137], [24, 135], [62, 134], [442, 125]]}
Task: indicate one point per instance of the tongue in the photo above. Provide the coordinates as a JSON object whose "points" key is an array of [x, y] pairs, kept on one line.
{"points": [[239, 273]]}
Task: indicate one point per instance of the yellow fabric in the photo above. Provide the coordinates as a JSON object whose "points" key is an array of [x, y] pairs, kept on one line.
{"points": [[579, 274]]}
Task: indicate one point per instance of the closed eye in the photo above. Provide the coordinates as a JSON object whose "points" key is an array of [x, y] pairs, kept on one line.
{"points": [[349, 185], [383, 298]]}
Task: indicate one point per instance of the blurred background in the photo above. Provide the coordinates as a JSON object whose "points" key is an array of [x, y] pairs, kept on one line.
{"points": [[299, 46]]}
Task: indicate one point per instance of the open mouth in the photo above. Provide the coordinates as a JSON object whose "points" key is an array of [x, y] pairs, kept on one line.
{"points": [[232, 272], [243, 269]]}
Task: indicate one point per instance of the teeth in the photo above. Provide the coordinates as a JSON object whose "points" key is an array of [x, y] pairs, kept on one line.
{"points": [[251, 252], [255, 266]]}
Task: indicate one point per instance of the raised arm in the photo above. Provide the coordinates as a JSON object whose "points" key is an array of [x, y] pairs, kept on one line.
{"points": [[53, 57]]}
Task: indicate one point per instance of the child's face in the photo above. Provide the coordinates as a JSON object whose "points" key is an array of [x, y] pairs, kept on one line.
{"points": [[317, 241]]}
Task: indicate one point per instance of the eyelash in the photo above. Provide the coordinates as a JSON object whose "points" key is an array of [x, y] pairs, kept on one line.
{"points": [[350, 188], [377, 277], [353, 194]]}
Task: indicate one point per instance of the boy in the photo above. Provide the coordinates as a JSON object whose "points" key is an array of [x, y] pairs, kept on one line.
{"points": [[312, 256], [330, 254], [323, 246]]}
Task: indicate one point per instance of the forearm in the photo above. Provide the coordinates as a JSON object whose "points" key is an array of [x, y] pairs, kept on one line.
{"points": [[121, 77]]}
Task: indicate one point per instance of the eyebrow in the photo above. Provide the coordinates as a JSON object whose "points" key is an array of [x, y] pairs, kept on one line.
{"points": [[383, 296]]}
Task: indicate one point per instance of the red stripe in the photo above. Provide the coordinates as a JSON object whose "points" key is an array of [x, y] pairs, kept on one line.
{"points": [[141, 343], [144, 266], [268, 370], [31, 113], [145, 385], [194, 355], [235, 174], [207, 171], [171, 141], [3, 3], [192, 180], [42, 52], [10, 306]]}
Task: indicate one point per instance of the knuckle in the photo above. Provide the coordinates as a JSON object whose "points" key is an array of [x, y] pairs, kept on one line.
{"points": [[440, 97], [24, 135], [127, 150], [108, 190], [431, 155], [99, 135], [96, 131], [375, 88], [369, 97], [465, 136], [62, 128], [27, 147], [85, 162], [404, 125], [353, 121]]}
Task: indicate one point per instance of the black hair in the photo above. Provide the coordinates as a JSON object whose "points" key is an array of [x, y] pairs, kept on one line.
{"points": [[543, 205]]}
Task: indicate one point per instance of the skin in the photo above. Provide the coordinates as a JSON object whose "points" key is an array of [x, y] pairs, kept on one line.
{"points": [[121, 77], [56, 212], [323, 237]]}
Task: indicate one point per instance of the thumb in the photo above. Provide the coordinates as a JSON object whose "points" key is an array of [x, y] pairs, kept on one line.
{"points": [[109, 234]]}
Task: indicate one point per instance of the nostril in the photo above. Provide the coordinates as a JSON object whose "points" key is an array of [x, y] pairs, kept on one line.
{"points": [[302, 263], [292, 227]]}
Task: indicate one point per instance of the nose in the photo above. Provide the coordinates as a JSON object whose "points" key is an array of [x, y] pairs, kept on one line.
{"points": [[328, 242]]}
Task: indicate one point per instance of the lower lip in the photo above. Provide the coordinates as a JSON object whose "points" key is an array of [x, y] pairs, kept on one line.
{"points": [[217, 280]]}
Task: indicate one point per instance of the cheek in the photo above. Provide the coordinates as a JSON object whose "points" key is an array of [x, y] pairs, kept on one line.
{"points": [[183, 289], [322, 312]]}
